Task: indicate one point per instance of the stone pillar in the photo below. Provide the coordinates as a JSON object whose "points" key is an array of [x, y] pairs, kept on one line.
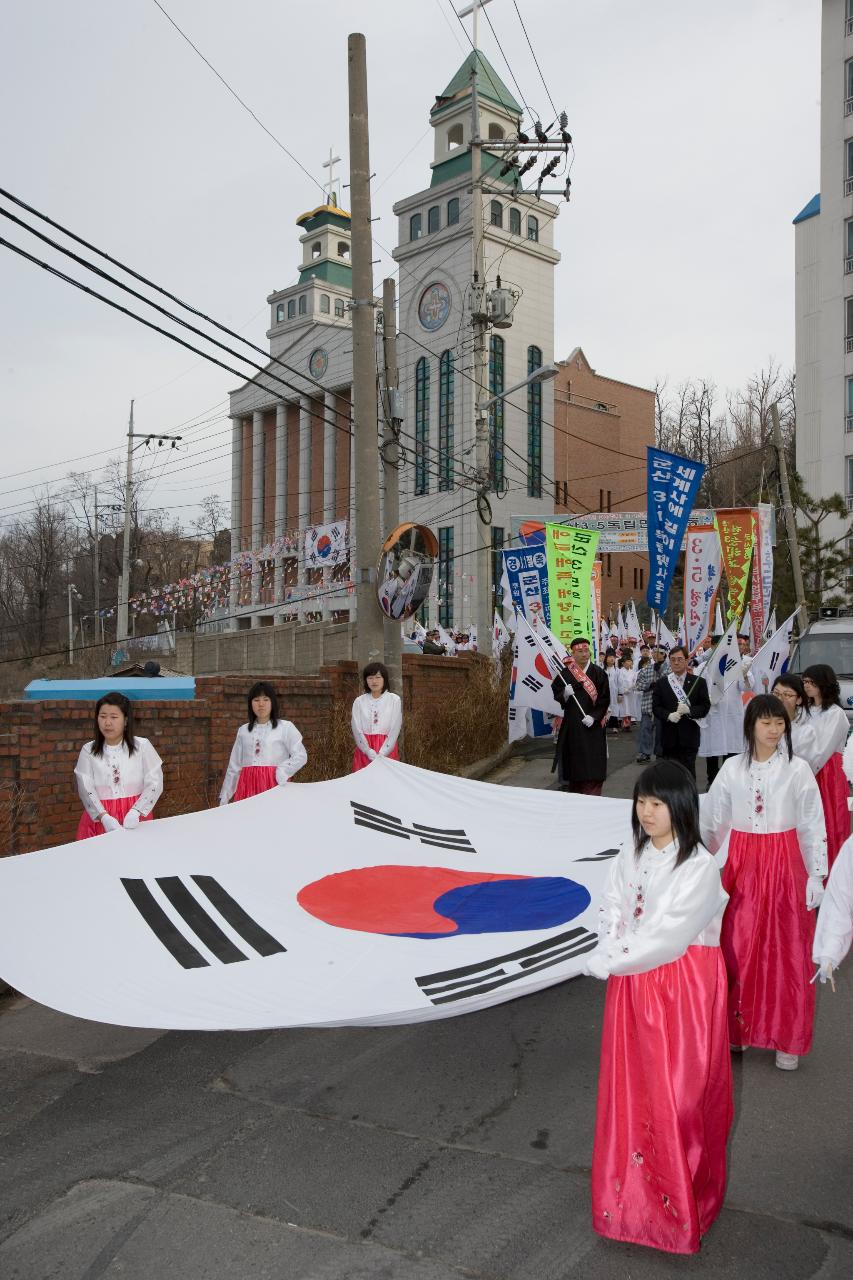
{"points": [[257, 507], [280, 494], [304, 485], [330, 434], [236, 518]]}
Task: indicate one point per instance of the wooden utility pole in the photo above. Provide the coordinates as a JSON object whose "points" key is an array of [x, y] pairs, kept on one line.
{"points": [[369, 626], [391, 463], [790, 519]]}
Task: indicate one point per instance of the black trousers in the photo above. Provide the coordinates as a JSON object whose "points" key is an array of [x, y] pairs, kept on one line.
{"points": [[687, 758]]}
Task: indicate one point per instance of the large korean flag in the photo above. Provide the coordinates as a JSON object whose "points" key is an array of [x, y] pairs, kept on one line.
{"points": [[393, 895]]}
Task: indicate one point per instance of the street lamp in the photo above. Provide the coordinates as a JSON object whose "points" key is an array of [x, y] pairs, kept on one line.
{"points": [[542, 374]]}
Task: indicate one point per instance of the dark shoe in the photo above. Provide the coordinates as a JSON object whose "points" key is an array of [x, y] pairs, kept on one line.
{"points": [[643, 759]]}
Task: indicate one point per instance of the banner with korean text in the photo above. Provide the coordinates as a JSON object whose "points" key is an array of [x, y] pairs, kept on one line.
{"points": [[571, 556], [701, 581], [762, 572], [526, 570], [737, 538], [672, 484]]}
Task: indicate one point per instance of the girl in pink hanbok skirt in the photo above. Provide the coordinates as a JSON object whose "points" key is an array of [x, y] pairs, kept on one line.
{"points": [[267, 751], [377, 718]]}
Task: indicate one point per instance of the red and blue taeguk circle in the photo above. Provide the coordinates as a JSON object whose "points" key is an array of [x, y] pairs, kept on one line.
{"points": [[324, 545], [439, 902]]}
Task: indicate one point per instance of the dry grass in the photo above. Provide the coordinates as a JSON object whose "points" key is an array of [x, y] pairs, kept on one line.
{"points": [[16, 807], [451, 735], [331, 755]]}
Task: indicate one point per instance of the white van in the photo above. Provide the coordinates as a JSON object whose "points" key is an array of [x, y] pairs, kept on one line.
{"points": [[829, 640]]}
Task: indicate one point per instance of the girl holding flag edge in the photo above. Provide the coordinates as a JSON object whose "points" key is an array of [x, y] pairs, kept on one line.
{"points": [[119, 775], [267, 751]]}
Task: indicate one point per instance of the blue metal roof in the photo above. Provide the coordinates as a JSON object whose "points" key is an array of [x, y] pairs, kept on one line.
{"points": [[810, 210], [137, 688]]}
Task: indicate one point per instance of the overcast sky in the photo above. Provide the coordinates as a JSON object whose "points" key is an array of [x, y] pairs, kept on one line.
{"points": [[696, 129]]}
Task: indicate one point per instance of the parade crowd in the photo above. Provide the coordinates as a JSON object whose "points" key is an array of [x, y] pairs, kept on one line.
{"points": [[716, 919]]}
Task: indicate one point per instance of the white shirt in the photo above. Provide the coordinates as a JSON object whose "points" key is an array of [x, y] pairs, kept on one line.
{"points": [[834, 932], [804, 739], [116, 774], [831, 728], [651, 911], [377, 715], [280, 747], [612, 674], [779, 795]]}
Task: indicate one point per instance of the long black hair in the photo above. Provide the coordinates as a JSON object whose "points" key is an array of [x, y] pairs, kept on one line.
{"points": [[827, 681], [125, 706], [764, 706], [259, 690], [669, 782], [376, 669], [792, 681]]}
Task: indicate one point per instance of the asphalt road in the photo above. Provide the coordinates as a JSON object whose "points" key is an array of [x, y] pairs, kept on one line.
{"points": [[457, 1148]]}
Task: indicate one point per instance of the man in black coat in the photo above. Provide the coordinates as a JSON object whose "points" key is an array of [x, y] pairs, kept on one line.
{"points": [[581, 754], [678, 701]]}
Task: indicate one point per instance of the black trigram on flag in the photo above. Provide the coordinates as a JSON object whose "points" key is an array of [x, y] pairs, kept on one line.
{"points": [[199, 921], [441, 837], [476, 979], [599, 857], [528, 640], [533, 684]]}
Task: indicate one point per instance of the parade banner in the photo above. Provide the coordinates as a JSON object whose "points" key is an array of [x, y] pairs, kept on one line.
{"points": [[571, 555], [527, 574], [701, 581], [767, 527], [391, 895], [595, 588], [672, 484], [734, 526], [326, 545], [772, 658], [762, 572]]}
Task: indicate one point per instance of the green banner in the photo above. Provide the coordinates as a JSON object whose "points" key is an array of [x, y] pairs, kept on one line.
{"points": [[571, 554]]}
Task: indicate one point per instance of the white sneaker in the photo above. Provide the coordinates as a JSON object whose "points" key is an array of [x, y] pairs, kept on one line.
{"points": [[787, 1061]]}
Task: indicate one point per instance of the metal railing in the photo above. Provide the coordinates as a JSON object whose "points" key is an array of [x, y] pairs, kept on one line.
{"points": [[848, 265], [848, 422], [848, 106], [848, 345], [848, 186]]}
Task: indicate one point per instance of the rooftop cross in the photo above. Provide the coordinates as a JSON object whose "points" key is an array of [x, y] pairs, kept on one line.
{"points": [[329, 187], [473, 8]]}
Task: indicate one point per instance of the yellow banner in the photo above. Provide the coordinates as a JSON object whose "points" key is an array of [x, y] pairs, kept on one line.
{"points": [[571, 554]]}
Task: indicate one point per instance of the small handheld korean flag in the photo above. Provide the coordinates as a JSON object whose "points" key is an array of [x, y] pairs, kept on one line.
{"points": [[772, 626], [500, 635], [771, 660], [723, 665]]}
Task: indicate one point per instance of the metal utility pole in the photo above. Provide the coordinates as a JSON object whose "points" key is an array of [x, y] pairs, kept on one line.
{"points": [[369, 618], [96, 573], [122, 633], [391, 462], [790, 519], [70, 626]]}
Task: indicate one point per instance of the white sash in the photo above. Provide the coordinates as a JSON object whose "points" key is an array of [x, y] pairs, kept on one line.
{"points": [[678, 689]]}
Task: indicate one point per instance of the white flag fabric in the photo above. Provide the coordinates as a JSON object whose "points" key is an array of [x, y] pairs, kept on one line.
{"points": [[681, 633], [665, 636], [718, 621], [771, 626], [746, 626], [557, 651], [633, 622], [326, 545], [621, 629], [532, 672], [392, 895], [500, 635], [507, 605], [446, 639], [723, 665], [772, 658]]}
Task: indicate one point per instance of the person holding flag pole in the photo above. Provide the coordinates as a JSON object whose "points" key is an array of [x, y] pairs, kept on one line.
{"points": [[583, 691]]}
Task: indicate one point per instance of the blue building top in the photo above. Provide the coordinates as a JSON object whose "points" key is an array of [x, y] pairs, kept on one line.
{"points": [[137, 688], [810, 210]]}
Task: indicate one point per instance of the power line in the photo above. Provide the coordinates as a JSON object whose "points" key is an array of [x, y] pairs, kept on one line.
{"points": [[535, 59]]}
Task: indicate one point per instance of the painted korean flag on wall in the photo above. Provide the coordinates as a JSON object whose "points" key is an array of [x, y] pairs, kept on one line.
{"points": [[393, 895]]}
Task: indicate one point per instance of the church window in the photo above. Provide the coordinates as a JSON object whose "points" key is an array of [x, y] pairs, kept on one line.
{"points": [[532, 228], [496, 413], [454, 136], [324, 303], [496, 215], [534, 426], [339, 308], [343, 250], [445, 576], [279, 312], [445, 420], [453, 211], [316, 249], [415, 227], [421, 426], [291, 308], [433, 219], [496, 132], [515, 222], [303, 304]]}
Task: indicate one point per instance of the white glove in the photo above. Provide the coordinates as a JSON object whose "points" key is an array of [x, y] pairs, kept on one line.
{"points": [[131, 820], [814, 892], [588, 721], [824, 971], [109, 823], [674, 717], [280, 776], [596, 965]]}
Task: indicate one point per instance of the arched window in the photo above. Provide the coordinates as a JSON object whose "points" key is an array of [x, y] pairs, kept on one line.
{"points": [[445, 420], [496, 213], [291, 308], [496, 413], [343, 250], [515, 222], [532, 228], [455, 137], [421, 426], [339, 308], [316, 249], [534, 426], [303, 304], [279, 312], [453, 211], [324, 303], [495, 131], [415, 227], [445, 576], [433, 219]]}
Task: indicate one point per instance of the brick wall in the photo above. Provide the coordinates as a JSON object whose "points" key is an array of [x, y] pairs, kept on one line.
{"points": [[40, 741]]}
